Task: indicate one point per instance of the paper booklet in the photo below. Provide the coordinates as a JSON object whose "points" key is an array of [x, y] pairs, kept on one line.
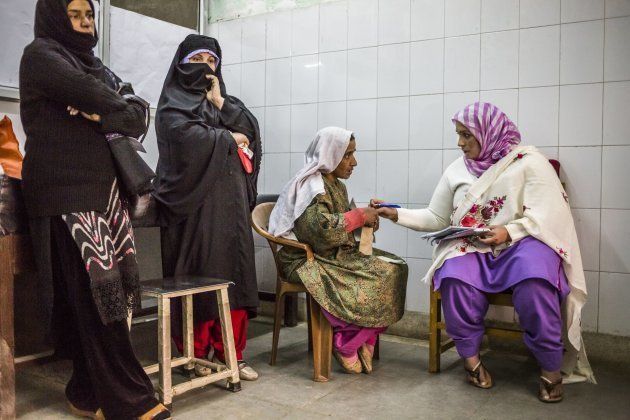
{"points": [[453, 232]]}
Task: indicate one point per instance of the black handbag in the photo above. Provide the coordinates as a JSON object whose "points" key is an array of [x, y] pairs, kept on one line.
{"points": [[133, 172]]}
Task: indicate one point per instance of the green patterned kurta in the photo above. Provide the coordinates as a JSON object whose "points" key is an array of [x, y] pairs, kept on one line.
{"points": [[359, 289]]}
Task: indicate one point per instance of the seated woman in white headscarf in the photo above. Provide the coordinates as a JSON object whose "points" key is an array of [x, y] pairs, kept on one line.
{"points": [[531, 248], [360, 295]]}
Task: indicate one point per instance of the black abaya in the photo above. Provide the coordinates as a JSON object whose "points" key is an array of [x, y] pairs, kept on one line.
{"points": [[205, 195]]}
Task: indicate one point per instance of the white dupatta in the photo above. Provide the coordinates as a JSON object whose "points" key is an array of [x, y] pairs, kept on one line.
{"points": [[322, 156]]}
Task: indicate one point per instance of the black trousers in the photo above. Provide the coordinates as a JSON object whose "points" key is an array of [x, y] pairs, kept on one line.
{"points": [[106, 373]]}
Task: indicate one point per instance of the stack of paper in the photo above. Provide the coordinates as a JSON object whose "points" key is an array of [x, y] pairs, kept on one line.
{"points": [[453, 232]]}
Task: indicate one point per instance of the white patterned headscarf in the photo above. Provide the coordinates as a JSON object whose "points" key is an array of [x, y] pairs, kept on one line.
{"points": [[322, 156]]}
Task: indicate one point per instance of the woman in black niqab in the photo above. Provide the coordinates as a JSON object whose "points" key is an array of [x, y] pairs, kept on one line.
{"points": [[205, 194]]}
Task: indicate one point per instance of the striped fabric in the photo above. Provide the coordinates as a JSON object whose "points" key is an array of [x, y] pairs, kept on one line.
{"points": [[496, 133]]}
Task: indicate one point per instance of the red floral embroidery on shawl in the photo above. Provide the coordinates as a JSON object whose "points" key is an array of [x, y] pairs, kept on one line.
{"points": [[480, 216]]}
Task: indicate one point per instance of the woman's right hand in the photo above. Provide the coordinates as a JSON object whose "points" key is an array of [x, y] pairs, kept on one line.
{"points": [[214, 93], [240, 138], [386, 212]]}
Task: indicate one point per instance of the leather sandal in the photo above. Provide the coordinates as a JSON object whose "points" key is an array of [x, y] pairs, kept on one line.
{"points": [[473, 376], [366, 356], [348, 367], [548, 388], [159, 412], [79, 412]]}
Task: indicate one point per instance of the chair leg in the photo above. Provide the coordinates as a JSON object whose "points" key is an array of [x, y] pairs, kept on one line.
{"points": [[434, 333], [308, 323], [322, 343], [277, 319]]}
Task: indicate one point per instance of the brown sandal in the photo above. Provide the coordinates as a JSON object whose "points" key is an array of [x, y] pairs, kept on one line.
{"points": [[366, 357], [79, 412], [346, 365], [473, 376], [159, 412], [547, 388]]}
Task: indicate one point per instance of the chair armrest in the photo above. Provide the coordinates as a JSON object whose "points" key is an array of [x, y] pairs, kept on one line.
{"points": [[295, 244]]}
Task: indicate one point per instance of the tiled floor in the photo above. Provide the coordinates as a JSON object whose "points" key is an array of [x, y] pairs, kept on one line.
{"points": [[400, 387]]}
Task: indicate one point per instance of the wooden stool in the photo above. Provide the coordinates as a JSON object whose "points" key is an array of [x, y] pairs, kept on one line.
{"points": [[185, 287]]}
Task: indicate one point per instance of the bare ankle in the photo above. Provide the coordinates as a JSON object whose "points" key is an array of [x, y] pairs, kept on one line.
{"points": [[552, 376], [471, 362]]}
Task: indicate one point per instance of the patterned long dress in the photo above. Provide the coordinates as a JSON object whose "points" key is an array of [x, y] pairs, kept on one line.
{"points": [[359, 289]]}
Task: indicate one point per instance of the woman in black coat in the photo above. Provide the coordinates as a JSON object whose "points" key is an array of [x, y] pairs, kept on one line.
{"points": [[210, 151], [70, 105]]}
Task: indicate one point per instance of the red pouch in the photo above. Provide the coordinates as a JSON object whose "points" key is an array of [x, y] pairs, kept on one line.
{"points": [[245, 161]]}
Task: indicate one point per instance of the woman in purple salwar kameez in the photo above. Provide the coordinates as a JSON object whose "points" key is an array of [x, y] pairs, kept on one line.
{"points": [[531, 248]]}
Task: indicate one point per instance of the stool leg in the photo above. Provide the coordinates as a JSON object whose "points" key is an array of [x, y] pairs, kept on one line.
{"points": [[234, 383], [377, 348], [189, 339], [164, 349]]}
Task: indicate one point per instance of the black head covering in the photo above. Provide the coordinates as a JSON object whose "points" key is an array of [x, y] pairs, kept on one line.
{"points": [[188, 167], [192, 76], [51, 21]]}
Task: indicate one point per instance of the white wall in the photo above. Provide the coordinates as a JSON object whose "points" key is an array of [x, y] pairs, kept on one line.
{"points": [[395, 71]]}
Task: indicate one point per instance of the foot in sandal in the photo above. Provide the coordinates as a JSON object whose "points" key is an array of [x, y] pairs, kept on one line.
{"points": [[159, 412], [477, 374], [349, 364], [245, 371], [550, 389], [366, 355], [79, 411]]}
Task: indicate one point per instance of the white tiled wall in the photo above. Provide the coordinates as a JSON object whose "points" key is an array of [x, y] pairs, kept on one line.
{"points": [[394, 71]]}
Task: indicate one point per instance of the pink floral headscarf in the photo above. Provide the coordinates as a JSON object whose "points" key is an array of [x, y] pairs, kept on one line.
{"points": [[496, 133]]}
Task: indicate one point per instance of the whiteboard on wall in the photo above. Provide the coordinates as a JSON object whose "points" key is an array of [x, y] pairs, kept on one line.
{"points": [[16, 31], [17, 18], [141, 50], [141, 47]]}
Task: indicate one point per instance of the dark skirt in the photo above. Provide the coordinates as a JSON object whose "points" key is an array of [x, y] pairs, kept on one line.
{"points": [[106, 373], [216, 241]]}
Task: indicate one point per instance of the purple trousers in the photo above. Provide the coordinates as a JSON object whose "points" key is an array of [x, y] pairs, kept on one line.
{"points": [[348, 338], [536, 302]]}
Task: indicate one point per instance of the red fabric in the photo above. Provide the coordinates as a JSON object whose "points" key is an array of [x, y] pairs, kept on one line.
{"points": [[245, 161], [208, 334], [556, 165], [354, 219]]}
